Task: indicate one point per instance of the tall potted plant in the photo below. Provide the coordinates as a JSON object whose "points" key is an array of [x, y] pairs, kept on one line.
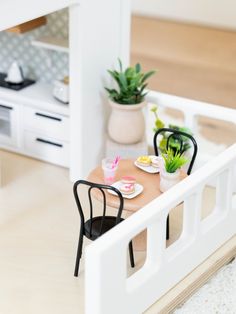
{"points": [[170, 170], [126, 124]]}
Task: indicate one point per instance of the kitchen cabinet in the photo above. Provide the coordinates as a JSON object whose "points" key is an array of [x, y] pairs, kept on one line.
{"points": [[9, 124], [35, 124]]}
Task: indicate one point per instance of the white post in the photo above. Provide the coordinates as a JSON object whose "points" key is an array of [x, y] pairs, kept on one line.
{"points": [[76, 96], [97, 39], [192, 215], [156, 241], [224, 191]]}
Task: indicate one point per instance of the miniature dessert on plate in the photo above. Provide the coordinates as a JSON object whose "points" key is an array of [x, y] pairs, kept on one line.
{"points": [[128, 180], [127, 188], [144, 161], [155, 162]]}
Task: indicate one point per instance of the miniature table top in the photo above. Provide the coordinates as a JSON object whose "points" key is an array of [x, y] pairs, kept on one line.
{"points": [[126, 167]]}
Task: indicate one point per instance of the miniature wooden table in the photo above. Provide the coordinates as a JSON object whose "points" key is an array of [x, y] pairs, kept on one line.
{"points": [[151, 190], [149, 181]]}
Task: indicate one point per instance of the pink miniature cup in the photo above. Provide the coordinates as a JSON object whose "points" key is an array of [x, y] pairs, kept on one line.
{"points": [[109, 170]]}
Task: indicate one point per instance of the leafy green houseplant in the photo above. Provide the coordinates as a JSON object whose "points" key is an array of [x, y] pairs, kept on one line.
{"points": [[174, 143], [170, 172], [173, 160], [131, 83], [126, 123]]}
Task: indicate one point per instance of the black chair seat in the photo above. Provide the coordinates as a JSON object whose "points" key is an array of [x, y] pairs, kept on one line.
{"points": [[108, 223]]}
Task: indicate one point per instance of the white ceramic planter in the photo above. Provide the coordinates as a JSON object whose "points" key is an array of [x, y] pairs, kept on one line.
{"points": [[167, 180], [126, 124]]}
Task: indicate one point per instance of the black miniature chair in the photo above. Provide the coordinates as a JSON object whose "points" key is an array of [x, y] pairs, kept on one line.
{"points": [[178, 138], [96, 226]]}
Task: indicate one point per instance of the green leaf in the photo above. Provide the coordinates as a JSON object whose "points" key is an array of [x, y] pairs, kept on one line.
{"points": [[138, 68], [159, 124], [120, 64], [129, 72], [147, 75], [173, 161], [154, 109], [122, 79], [143, 87]]}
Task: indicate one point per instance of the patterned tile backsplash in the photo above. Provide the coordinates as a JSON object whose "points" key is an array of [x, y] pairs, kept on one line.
{"points": [[35, 60]]}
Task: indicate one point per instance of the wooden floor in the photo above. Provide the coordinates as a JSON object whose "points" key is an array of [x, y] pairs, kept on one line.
{"points": [[38, 238], [192, 61]]}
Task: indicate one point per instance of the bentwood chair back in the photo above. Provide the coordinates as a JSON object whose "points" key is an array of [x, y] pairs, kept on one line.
{"points": [[178, 137], [96, 226]]}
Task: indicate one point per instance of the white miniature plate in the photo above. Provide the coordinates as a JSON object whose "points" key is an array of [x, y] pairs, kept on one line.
{"points": [[138, 190], [149, 169]]}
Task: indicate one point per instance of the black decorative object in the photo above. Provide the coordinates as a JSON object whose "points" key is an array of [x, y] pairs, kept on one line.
{"points": [[15, 87]]}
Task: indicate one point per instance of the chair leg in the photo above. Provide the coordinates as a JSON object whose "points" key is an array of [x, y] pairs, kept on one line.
{"points": [[79, 253], [168, 227], [131, 254]]}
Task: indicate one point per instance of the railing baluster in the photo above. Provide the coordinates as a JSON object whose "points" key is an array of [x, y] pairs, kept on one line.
{"points": [[156, 241], [190, 121], [224, 191], [192, 215]]}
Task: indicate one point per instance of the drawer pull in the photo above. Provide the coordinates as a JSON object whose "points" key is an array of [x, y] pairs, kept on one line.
{"points": [[48, 142], [46, 116], [6, 107]]}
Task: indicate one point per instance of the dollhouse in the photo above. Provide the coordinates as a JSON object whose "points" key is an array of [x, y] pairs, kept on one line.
{"points": [[98, 34]]}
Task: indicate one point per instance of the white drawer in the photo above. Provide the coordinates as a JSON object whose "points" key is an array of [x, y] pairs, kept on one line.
{"points": [[53, 125], [46, 148]]}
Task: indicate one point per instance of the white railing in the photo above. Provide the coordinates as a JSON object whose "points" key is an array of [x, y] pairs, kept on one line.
{"points": [[192, 109], [107, 288]]}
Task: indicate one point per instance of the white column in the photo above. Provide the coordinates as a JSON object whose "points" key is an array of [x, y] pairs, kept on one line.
{"points": [[192, 215], [76, 95], [99, 32], [224, 191], [156, 241]]}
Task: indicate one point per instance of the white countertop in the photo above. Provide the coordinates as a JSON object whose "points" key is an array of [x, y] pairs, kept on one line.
{"points": [[38, 95]]}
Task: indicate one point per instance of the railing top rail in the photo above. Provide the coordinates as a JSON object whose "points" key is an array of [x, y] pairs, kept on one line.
{"points": [[195, 107], [159, 207]]}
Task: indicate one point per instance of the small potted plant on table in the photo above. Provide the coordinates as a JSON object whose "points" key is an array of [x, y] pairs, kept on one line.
{"points": [[170, 170], [126, 124]]}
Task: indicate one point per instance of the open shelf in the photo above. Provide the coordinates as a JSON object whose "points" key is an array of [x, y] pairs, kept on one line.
{"points": [[52, 43]]}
